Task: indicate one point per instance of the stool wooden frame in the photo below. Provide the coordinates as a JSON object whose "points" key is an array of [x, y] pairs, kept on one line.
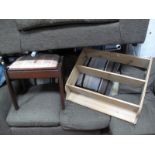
{"points": [[34, 73]]}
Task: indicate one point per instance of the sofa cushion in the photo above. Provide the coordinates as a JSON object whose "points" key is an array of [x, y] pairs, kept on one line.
{"points": [[132, 31], [71, 37], [78, 117], [9, 37], [133, 72], [50, 131], [28, 24], [138, 73], [40, 106], [145, 123]]}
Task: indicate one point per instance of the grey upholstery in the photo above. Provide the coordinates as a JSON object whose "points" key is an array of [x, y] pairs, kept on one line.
{"points": [[145, 123], [133, 98], [138, 73], [68, 34], [4, 107], [75, 36], [29, 24], [40, 106], [131, 30], [50, 131], [81, 118], [5, 103], [9, 37], [133, 72]]}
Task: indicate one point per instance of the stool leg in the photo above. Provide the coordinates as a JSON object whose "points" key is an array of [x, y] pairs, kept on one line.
{"points": [[61, 89], [12, 92], [35, 82]]}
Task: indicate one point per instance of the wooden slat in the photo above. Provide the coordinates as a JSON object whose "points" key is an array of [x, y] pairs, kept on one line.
{"points": [[103, 106], [145, 86], [74, 76], [111, 76], [105, 98], [117, 57], [72, 79]]}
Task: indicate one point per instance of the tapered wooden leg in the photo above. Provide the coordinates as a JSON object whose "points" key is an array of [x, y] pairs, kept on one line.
{"points": [[61, 89], [11, 91], [35, 82]]}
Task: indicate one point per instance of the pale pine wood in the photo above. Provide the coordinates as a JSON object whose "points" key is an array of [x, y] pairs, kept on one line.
{"points": [[145, 87], [98, 96], [135, 82], [146, 81], [117, 57], [102, 106], [115, 107], [72, 79]]}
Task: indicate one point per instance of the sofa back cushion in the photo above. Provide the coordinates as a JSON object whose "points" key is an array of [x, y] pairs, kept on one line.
{"points": [[28, 24], [133, 72], [137, 73]]}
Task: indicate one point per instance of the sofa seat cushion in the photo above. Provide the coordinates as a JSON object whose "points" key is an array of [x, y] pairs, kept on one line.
{"points": [[77, 117], [40, 106], [28, 24], [133, 72], [50, 131], [145, 123]]}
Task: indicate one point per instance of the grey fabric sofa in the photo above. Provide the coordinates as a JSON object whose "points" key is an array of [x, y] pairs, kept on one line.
{"points": [[23, 34], [40, 111]]}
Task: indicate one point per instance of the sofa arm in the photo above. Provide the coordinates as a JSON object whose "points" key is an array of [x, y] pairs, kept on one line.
{"points": [[133, 30], [5, 104]]}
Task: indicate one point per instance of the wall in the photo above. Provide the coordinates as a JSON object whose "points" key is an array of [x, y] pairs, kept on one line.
{"points": [[147, 49]]}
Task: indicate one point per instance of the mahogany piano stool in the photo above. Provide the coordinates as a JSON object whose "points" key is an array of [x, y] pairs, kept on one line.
{"points": [[13, 74]]}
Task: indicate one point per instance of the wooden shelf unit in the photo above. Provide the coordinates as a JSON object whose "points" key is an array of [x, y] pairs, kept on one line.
{"points": [[109, 105]]}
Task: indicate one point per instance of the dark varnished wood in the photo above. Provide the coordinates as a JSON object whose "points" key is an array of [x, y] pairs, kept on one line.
{"points": [[15, 74], [11, 90], [35, 73]]}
